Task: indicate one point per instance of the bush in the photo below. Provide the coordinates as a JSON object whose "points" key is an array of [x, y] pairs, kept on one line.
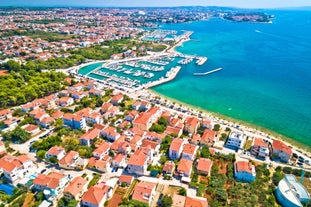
{"points": [[182, 192], [287, 170]]}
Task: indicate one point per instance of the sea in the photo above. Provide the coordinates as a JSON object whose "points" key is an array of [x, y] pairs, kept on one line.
{"points": [[266, 76]]}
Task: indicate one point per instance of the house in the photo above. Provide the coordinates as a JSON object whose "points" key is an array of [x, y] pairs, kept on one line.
{"points": [[184, 168], [46, 122], [74, 121], [204, 166], [57, 152], [117, 99], [144, 105], [71, 161], [100, 165], [5, 114], [31, 129], [168, 168], [281, 151], [176, 149], [244, 171], [75, 188], [192, 124], [102, 150], [178, 200], [119, 160], [16, 168], [235, 140], [173, 131], [260, 148], [206, 123], [143, 121], [137, 164], [88, 137], [196, 139], [144, 192], [53, 183], [112, 112], [189, 152], [154, 136], [110, 133], [95, 196], [209, 137], [196, 202], [155, 146], [136, 105], [126, 179], [105, 107], [131, 115], [57, 115], [65, 101]]}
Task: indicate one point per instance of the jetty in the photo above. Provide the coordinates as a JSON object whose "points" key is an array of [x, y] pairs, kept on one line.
{"points": [[208, 72]]}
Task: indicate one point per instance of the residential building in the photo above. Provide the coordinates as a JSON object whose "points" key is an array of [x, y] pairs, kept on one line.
{"points": [[281, 151], [168, 168], [191, 125], [235, 140], [196, 202], [260, 148], [137, 163], [144, 192], [184, 167], [126, 179], [57, 152], [204, 166], [176, 149], [16, 168], [209, 137], [102, 150], [119, 161], [88, 137], [75, 188], [95, 196], [99, 165], [53, 183], [110, 133], [189, 152], [72, 160], [244, 171], [74, 121]]}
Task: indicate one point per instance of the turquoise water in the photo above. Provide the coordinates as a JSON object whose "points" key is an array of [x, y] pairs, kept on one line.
{"points": [[157, 74], [266, 72]]}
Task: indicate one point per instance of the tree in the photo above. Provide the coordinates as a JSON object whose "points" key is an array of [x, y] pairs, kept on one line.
{"points": [[12, 65], [205, 152], [163, 159], [59, 123], [182, 192], [53, 160], [162, 121], [41, 154], [216, 127], [17, 135], [166, 201], [277, 176]]}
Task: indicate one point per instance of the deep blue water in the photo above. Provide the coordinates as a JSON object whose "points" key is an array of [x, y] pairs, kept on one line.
{"points": [[266, 76]]}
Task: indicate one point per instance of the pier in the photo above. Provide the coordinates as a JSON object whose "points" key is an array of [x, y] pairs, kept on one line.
{"points": [[208, 72]]}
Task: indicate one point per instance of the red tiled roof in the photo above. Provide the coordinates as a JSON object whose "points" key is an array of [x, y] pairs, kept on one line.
{"points": [[279, 145], [204, 165]]}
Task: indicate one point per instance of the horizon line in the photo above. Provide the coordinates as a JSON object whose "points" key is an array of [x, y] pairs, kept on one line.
{"points": [[177, 6]]}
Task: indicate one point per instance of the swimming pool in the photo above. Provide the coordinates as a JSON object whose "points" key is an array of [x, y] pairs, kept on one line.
{"points": [[8, 189], [32, 177]]}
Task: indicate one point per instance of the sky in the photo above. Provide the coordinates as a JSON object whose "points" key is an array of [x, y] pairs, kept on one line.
{"points": [[151, 3]]}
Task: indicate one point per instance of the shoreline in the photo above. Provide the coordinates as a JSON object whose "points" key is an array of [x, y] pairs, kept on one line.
{"points": [[261, 131], [266, 133]]}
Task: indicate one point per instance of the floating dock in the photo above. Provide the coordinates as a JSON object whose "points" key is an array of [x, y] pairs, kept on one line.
{"points": [[208, 72]]}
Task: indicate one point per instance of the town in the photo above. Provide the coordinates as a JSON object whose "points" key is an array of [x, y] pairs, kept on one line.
{"points": [[70, 140]]}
